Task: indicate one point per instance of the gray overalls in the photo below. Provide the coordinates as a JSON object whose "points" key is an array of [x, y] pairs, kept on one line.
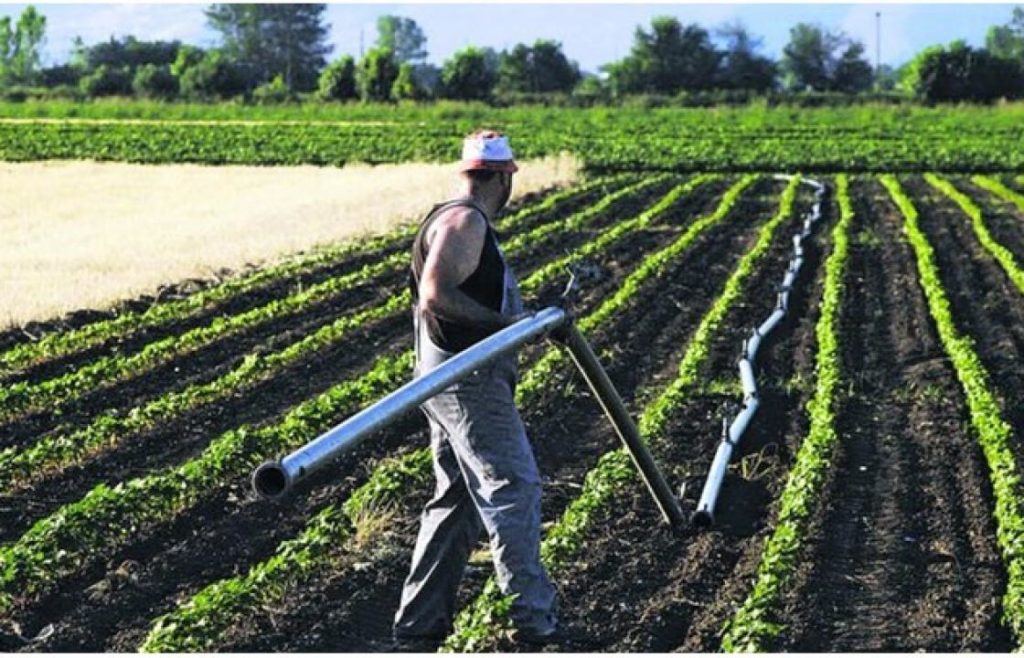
{"points": [[486, 478]]}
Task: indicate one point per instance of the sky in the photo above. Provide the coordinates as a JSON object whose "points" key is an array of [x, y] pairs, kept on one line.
{"points": [[591, 34]]}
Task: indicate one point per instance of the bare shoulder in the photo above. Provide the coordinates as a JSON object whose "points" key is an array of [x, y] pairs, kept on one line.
{"points": [[461, 221]]}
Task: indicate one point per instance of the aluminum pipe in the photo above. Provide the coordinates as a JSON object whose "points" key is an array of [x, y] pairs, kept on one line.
{"points": [[747, 379], [274, 478], [704, 516]]}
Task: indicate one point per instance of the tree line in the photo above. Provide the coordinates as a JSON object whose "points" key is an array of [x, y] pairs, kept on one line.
{"points": [[278, 53]]}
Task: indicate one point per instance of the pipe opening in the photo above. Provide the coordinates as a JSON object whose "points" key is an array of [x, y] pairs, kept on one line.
{"points": [[702, 519], [269, 480]]}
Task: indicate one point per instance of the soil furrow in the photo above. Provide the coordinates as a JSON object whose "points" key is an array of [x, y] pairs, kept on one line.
{"points": [[214, 548], [986, 305], [639, 588], [905, 557]]}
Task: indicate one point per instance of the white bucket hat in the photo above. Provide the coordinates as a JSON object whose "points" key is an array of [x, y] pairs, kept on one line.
{"points": [[487, 150]]}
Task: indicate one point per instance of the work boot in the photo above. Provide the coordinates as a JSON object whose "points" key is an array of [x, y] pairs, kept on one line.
{"points": [[416, 643], [562, 636]]}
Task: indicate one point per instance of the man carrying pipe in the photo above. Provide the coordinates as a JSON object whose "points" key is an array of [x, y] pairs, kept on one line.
{"points": [[487, 478]]}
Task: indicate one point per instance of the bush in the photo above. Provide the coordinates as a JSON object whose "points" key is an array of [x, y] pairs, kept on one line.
{"points": [[152, 81], [338, 81], [274, 92], [106, 81]]}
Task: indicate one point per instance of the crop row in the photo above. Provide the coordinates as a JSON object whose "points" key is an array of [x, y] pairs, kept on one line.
{"points": [[752, 626], [20, 467], [63, 343], [84, 531], [998, 251], [22, 396], [639, 141], [1000, 190], [196, 625], [488, 614], [994, 433]]}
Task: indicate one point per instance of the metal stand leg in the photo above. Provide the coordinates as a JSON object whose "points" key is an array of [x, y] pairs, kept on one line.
{"points": [[624, 426]]}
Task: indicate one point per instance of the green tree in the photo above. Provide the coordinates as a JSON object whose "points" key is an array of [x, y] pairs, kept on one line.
{"points": [[406, 87], [187, 57], [470, 74], [960, 73], [852, 73], [267, 40], [129, 53], [818, 60], [403, 37], [21, 46], [540, 68], [152, 81], [107, 80], [338, 81], [742, 67], [215, 76], [376, 74], [668, 59], [1007, 41]]}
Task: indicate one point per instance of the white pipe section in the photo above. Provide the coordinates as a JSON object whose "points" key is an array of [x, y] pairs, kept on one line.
{"points": [[752, 345], [747, 379], [705, 513]]}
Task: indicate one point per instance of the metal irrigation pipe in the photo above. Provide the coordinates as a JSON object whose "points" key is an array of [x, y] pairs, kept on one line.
{"points": [[704, 516], [273, 479]]}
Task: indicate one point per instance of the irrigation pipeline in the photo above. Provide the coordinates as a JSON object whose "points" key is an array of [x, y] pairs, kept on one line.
{"points": [[732, 434]]}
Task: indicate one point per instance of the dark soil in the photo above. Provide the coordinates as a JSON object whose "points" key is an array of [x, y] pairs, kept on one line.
{"points": [[230, 530], [904, 557], [637, 587]]}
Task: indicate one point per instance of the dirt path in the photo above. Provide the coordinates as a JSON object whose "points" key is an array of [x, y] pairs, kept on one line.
{"points": [[904, 557], [84, 234]]}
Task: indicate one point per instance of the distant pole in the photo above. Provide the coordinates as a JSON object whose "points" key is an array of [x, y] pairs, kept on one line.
{"points": [[361, 51], [878, 45]]}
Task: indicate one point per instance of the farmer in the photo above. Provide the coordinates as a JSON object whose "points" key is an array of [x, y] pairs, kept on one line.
{"points": [[463, 290]]}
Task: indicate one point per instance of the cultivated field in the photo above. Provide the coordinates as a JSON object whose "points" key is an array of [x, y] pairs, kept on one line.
{"points": [[875, 505]]}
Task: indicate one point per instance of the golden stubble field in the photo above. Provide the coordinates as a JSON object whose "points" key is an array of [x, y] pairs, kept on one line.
{"points": [[86, 234]]}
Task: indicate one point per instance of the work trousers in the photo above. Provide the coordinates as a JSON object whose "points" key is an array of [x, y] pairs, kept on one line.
{"points": [[487, 479]]}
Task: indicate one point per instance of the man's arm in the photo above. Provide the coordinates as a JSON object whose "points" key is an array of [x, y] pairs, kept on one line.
{"points": [[455, 250]]}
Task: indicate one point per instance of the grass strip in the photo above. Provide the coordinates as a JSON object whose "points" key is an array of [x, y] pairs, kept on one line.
{"points": [[20, 467], [994, 433], [64, 343], [197, 625], [81, 532], [971, 209], [478, 623], [752, 625], [26, 396]]}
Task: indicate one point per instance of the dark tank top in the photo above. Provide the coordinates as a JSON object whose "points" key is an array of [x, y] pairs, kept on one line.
{"points": [[486, 285]]}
